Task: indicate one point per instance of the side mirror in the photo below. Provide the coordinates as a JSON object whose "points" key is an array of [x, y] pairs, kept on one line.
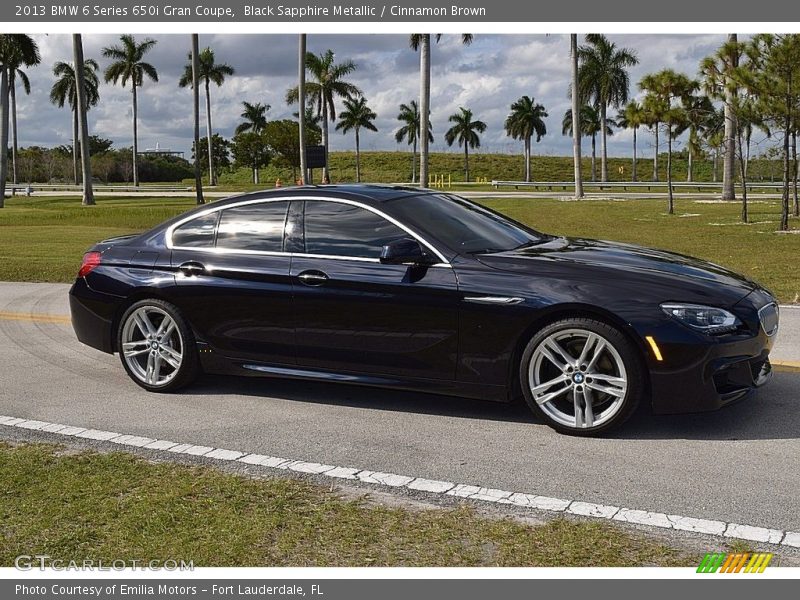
{"points": [[405, 250]]}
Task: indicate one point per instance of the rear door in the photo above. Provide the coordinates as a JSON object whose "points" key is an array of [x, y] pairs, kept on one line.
{"points": [[354, 314], [233, 280]]}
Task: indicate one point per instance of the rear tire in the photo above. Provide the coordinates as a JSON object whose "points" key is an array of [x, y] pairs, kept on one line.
{"points": [[157, 347], [581, 376]]}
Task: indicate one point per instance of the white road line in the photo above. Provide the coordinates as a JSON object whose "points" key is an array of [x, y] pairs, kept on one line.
{"points": [[458, 490]]}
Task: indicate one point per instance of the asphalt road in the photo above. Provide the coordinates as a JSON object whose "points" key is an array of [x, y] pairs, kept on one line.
{"points": [[736, 465]]}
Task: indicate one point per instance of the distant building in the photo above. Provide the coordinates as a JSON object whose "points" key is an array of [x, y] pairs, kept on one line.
{"points": [[158, 151]]}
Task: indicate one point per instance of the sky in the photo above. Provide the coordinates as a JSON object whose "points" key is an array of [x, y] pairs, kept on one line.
{"points": [[485, 77]]}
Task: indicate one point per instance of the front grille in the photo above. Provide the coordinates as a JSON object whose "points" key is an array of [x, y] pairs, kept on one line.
{"points": [[769, 317]]}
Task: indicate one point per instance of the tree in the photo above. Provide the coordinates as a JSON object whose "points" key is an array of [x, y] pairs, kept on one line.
{"points": [[15, 49], [83, 126], [589, 125], [409, 132], [301, 100], [667, 94], [698, 109], [251, 149], [129, 67], [576, 109], [603, 81], [632, 117], [255, 117], [283, 139], [210, 72], [464, 131], [220, 147], [422, 42], [198, 178], [356, 116], [15, 72], [64, 91], [526, 119], [329, 83]]}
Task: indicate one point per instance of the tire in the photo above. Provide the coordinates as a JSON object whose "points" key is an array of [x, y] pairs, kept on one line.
{"points": [[157, 347], [580, 391]]}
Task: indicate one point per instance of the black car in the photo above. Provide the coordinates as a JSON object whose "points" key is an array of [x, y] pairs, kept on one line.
{"points": [[423, 290]]}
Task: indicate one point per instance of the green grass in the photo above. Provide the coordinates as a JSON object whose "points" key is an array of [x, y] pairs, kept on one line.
{"points": [[114, 506], [42, 239]]}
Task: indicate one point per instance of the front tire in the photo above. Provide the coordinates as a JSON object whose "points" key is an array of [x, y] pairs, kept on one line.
{"points": [[581, 376], [157, 347]]}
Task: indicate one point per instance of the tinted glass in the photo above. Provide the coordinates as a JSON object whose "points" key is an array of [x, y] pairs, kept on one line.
{"points": [[197, 233], [344, 230], [461, 225], [253, 227]]}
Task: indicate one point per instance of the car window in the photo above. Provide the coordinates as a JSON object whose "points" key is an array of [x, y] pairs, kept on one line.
{"points": [[257, 227], [197, 233], [339, 229]]}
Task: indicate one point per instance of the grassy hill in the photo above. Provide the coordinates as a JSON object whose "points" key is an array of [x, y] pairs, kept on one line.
{"points": [[395, 167]]}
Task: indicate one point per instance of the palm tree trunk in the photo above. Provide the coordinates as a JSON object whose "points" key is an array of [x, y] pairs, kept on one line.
{"points": [[3, 133], [729, 164], [794, 174], [424, 105], [655, 157], [633, 174], [527, 158], [414, 162], [80, 85], [603, 140], [212, 178], [714, 161], [135, 136], [301, 97], [358, 159], [786, 134], [594, 158], [689, 168], [198, 175], [576, 118], [75, 146], [671, 202], [466, 162], [12, 93], [326, 178], [743, 170]]}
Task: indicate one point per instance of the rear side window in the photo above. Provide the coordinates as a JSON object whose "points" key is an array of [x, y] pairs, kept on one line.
{"points": [[197, 233], [338, 229], [258, 227]]}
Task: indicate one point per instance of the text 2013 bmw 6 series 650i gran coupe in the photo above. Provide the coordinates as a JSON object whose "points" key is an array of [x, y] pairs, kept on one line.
{"points": [[423, 290]]}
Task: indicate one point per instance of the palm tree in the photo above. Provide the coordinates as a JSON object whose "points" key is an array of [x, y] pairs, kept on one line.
{"points": [[603, 80], [422, 42], [210, 72], [575, 102], [20, 50], [409, 132], [65, 92], [14, 72], [526, 119], [589, 125], [83, 126], [464, 131], [329, 84], [129, 66], [632, 117], [255, 117], [198, 177], [355, 116], [698, 109], [667, 93]]}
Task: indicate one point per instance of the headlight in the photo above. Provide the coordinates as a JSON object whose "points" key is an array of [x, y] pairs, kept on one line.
{"points": [[708, 319]]}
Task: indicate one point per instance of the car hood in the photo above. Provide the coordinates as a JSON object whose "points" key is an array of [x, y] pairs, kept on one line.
{"points": [[623, 258]]}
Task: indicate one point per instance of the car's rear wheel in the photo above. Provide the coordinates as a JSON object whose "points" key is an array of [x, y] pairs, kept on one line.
{"points": [[157, 347], [581, 376]]}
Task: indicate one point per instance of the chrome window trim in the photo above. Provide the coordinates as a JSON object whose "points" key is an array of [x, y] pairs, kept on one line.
{"points": [[443, 262]]}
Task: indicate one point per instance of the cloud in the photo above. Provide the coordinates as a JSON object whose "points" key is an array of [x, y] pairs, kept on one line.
{"points": [[485, 77]]}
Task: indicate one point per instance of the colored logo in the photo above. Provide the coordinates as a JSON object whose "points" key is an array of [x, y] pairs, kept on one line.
{"points": [[734, 562]]}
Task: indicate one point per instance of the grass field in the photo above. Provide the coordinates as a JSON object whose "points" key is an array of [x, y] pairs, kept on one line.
{"points": [[42, 239], [114, 506]]}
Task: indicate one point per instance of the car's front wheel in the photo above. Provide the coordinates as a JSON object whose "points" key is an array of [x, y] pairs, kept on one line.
{"points": [[581, 376], [157, 347]]}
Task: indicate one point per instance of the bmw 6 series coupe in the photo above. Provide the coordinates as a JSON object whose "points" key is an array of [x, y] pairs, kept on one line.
{"points": [[422, 290]]}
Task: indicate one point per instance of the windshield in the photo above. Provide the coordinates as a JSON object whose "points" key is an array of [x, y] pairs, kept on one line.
{"points": [[463, 226]]}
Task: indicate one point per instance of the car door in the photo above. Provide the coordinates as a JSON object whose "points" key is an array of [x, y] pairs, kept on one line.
{"points": [[233, 280], [355, 314]]}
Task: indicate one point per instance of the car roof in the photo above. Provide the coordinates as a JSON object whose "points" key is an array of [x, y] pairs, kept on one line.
{"points": [[368, 193]]}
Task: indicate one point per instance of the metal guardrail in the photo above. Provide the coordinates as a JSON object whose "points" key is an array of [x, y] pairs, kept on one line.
{"points": [[28, 189], [624, 185]]}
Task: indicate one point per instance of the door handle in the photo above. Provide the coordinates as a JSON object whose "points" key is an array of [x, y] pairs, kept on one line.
{"points": [[192, 268], [313, 278]]}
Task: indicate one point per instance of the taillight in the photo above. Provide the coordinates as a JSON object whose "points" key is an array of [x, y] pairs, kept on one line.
{"points": [[90, 261]]}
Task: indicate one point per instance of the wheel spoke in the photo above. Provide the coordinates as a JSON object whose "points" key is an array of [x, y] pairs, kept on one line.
{"points": [[577, 400], [562, 354], [166, 328], [591, 340], [607, 389], [172, 352], [588, 416], [143, 323], [599, 347], [543, 387], [610, 379], [156, 368], [148, 372], [545, 398], [169, 360]]}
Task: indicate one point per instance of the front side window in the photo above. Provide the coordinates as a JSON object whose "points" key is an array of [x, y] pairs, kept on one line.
{"points": [[197, 233], [255, 227], [338, 229]]}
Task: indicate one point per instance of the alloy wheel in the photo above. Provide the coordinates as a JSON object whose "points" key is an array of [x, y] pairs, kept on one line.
{"points": [[152, 345]]}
